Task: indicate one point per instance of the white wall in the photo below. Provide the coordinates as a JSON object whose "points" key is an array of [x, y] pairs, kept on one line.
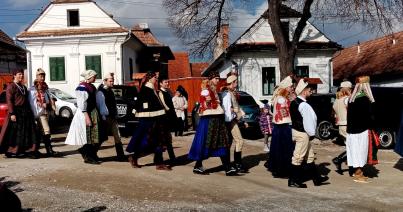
{"points": [[250, 66], [74, 52], [261, 32], [55, 17]]}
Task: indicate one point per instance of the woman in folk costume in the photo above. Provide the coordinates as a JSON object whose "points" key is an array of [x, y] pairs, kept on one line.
{"points": [[150, 134], [84, 128], [340, 109], [359, 121], [282, 146], [211, 138], [17, 136]]}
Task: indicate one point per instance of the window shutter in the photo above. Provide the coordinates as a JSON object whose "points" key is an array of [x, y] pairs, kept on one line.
{"points": [[94, 63], [57, 69]]}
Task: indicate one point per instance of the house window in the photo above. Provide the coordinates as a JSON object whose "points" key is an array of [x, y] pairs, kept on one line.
{"points": [[302, 71], [57, 69], [94, 63], [73, 18], [268, 80], [285, 26], [131, 68]]}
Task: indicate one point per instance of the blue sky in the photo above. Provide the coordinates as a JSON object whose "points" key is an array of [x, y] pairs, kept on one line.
{"points": [[16, 15]]}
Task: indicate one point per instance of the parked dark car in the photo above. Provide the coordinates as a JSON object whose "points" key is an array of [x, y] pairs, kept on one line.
{"points": [[126, 97], [387, 112], [251, 117]]}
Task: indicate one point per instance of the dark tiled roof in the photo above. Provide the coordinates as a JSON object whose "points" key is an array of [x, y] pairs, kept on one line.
{"points": [[67, 32], [180, 67], [380, 56], [5, 38]]}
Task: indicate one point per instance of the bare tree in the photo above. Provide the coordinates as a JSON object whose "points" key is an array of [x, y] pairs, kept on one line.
{"points": [[198, 22]]}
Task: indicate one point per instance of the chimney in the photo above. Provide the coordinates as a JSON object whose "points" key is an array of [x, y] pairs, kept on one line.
{"points": [[222, 39], [358, 47]]}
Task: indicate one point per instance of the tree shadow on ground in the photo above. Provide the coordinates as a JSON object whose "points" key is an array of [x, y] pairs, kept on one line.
{"points": [[9, 201], [399, 164], [96, 209]]}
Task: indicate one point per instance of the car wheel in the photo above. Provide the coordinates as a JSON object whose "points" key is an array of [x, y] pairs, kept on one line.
{"points": [[323, 130], [65, 112], [386, 138]]}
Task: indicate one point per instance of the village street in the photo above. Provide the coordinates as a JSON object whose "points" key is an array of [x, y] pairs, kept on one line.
{"points": [[68, 184]]}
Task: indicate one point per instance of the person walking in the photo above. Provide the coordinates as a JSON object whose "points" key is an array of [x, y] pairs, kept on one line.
{"points": [[170, 116], [18, 136], [41, 105], [359, 121], [149, 135], [84, 128], [266, 125], [106, 104], [303, 131], [180, 105], [282, 146], [340, 109], [233, 113], [211, 137]]}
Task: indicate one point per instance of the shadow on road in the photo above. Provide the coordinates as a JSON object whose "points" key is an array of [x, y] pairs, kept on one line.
{"points": [[399, 164], [96, 209]]}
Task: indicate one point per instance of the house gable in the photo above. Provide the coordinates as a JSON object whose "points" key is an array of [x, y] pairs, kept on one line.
{"points": [[53, 21]]}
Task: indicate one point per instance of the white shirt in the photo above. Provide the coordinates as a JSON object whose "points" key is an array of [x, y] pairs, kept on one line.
{"points": [[309, 118], [227, 104]]}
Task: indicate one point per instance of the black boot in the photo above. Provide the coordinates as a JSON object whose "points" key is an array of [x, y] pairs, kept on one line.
{"points": [[317, 178], [49, 148], [238, 163], [229, 170], [120, 153], [94, 151], [88, 152], [295, 177], [199, 169], [337, 161]]}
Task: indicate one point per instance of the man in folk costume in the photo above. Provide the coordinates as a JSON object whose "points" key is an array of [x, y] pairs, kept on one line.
{"points": [[150, 133], [359, 121], [340, 109], [170, 115], [303, 131], [282, 146], [41, 104], [106, 104], [84, 128], [233, 113]]}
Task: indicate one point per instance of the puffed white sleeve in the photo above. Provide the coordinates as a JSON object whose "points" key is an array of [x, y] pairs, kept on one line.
{"points": [[82, 97]]}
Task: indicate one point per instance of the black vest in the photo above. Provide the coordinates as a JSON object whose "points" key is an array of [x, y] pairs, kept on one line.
{"points": [[296, 117], [91, 101], [109, 100]]}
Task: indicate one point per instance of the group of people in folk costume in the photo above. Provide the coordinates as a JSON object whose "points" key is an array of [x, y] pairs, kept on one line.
{"points": [[27, 123], [292, 124]]}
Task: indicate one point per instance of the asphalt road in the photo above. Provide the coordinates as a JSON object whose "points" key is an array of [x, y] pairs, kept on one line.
{"points": [[67, 184]]}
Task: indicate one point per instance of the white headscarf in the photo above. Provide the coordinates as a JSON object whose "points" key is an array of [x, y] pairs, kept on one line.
{"points": [[88, 74]]}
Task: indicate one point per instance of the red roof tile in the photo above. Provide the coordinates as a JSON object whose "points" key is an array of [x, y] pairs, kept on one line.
{"points": [[145, 36], [197, 68], [380, 56], [67, 32], [180, 67]]}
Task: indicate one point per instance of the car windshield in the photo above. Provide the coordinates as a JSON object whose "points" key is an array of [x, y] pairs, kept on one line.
{"points": [[61, 94], [246, 100]]}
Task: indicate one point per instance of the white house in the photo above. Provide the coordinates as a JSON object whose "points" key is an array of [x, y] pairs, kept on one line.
{"points": [[254, 56], [70, 36]]}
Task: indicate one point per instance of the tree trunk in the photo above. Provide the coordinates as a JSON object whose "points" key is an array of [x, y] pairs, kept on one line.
{"points": [[285, 50]]}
